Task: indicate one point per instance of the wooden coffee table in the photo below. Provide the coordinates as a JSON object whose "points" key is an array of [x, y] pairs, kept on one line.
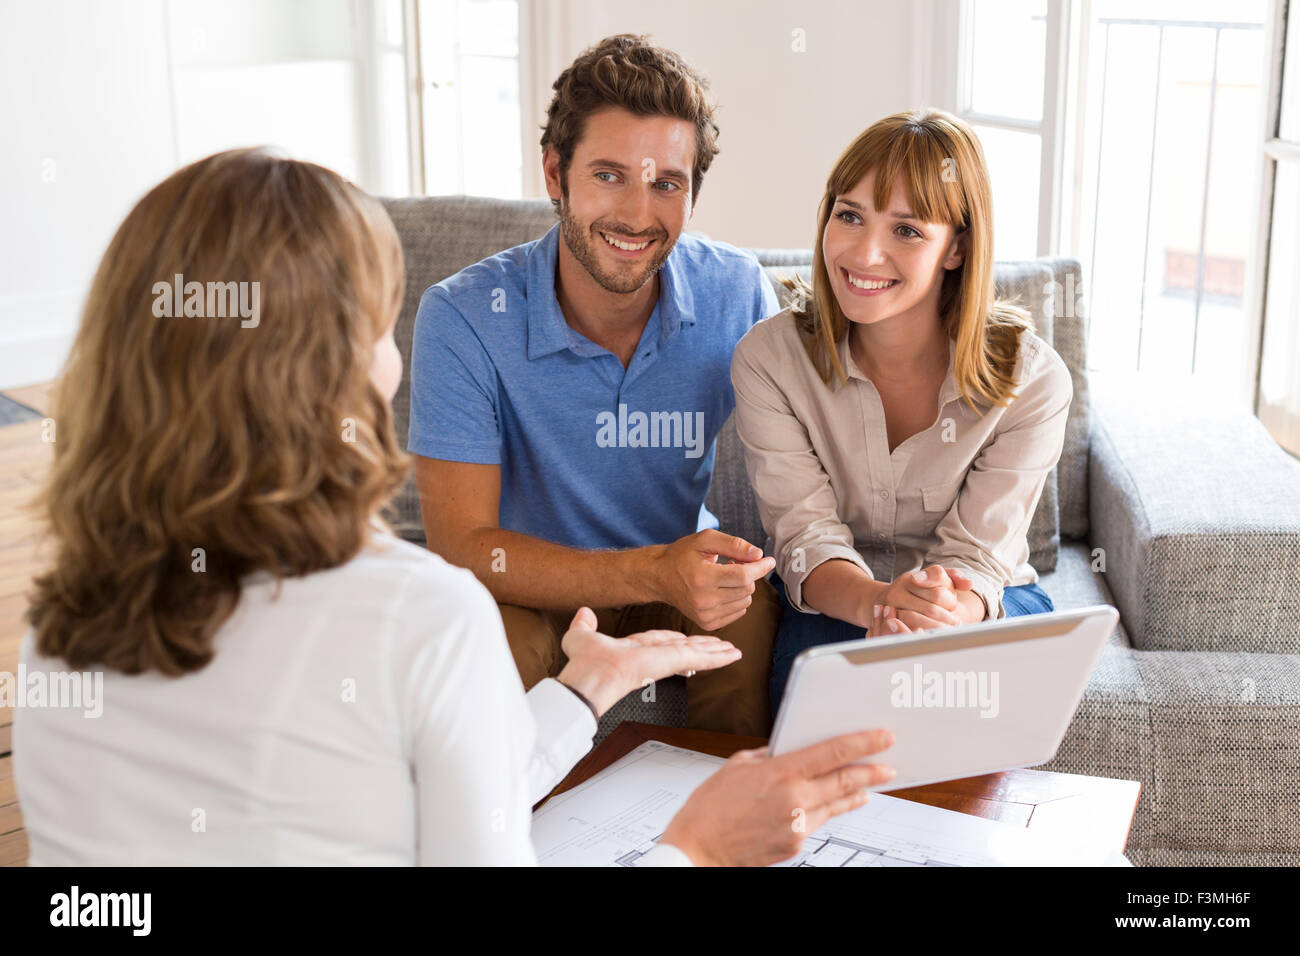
{"points": [[1043, 801]]}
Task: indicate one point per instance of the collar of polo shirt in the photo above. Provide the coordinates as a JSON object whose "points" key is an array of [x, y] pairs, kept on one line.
{"points": [[548, 332]]}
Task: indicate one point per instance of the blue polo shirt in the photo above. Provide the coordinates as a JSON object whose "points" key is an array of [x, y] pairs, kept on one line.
{"points": [[592, 455]]}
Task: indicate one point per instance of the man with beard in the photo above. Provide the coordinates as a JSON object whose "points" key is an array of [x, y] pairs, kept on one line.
{"points": [[566, 393]]}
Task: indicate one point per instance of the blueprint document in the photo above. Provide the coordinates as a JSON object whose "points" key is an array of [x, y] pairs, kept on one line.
{"points": [[615, 818]]}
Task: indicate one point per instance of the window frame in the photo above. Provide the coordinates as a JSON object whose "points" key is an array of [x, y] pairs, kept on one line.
{"points": [[1274, 151], [951, 91], [419, 83], [1066, 53]]}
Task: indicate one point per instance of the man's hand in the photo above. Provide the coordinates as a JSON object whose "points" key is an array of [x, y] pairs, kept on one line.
{"points": [[606, 669], [687, 575], [758, 809], [923, 601]]}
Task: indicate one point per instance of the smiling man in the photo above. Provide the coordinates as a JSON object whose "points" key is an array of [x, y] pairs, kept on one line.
{"points": [[566, 393]]}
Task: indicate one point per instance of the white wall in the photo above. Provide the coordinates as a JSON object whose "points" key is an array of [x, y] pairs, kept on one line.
{"points": [[247, 72], [102, 99], [785, 116], [86, 120]]}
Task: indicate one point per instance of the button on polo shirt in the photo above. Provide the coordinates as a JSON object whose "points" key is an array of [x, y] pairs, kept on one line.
{"points": [[592, 454]]}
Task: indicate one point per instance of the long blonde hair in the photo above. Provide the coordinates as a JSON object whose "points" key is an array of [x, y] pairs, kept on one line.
{"points": [[191, 451], [946, 179]]}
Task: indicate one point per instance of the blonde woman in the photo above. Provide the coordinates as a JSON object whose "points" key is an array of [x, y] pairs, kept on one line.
{"points": [[284, 681], [899, 424]]}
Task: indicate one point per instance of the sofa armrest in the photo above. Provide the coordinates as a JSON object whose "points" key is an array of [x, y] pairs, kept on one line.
{"points": [[1195, 516], [1213, 739]]}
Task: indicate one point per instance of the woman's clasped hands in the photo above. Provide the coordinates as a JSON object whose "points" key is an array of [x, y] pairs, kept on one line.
{"points": [[921, 601]]}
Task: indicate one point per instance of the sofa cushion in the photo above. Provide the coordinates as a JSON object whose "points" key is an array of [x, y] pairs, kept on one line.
{"points": [[1195, 509], [1022, 284], [731, 497], [1064, 306]]}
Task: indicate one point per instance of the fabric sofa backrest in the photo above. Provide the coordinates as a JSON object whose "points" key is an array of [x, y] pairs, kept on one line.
{"points": [[1065, 310]]}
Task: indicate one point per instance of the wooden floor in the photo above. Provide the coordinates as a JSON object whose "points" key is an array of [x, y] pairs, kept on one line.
{"points": [[24, 458]]}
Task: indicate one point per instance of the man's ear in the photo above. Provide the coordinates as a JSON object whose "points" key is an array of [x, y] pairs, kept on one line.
{"points": [[551, 172]]}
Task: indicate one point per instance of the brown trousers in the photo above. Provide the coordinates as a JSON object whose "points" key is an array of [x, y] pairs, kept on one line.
{"points": [[731, 699]]}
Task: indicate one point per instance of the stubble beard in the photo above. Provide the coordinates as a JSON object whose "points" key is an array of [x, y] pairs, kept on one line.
{"points": [[581, 242]]}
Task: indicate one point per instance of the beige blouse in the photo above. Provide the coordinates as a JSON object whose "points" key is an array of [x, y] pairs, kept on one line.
{"points": [[961, 493]]}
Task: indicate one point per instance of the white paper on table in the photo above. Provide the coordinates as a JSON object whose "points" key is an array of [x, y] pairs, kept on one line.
{"points": [[617, 816]]}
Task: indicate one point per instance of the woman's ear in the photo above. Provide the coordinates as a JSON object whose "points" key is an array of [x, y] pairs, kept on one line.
{"points": [[957, 250]]}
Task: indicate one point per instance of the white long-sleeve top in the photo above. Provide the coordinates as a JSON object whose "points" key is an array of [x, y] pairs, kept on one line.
{"points": [[369, 714]]}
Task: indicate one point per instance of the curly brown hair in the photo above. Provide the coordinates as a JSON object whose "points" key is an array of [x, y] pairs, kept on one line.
{"points": [[266, 446], [628, 72]]}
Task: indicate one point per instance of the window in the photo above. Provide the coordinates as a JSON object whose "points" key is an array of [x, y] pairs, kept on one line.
{"points": [[1009, 109], [469, 91], [1127, 134], [323, 84], [1172, 119]]}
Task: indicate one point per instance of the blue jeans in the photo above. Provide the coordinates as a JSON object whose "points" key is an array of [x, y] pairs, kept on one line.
{"points": [[800, 631]]}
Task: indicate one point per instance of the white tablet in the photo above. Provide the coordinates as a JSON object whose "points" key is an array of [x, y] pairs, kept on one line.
{"points": [[961, 701]]}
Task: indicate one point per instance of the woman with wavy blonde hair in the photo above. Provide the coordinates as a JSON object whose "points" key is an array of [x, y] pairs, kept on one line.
{"points": [[284, 682], [899, 423], [193, 450]]}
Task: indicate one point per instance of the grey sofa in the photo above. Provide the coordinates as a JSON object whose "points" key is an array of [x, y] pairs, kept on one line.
{"points": [[1183, 516]]}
